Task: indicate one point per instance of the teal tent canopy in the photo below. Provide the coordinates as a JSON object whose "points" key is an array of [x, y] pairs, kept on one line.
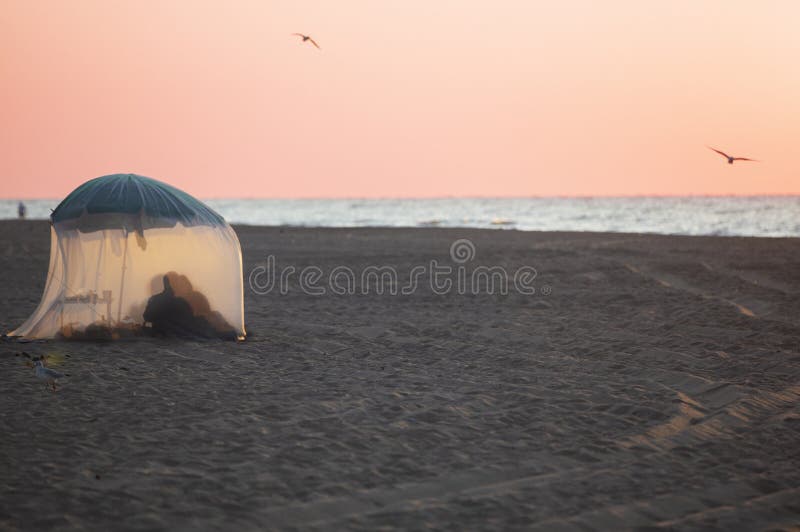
{"points": [[133, 203], [122, 244]]}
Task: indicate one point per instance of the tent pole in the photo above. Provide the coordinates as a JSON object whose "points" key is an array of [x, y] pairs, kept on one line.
{"points": [[122, 280]]}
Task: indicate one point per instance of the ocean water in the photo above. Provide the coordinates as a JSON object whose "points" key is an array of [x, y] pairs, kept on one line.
{"points": [[774, 216]]}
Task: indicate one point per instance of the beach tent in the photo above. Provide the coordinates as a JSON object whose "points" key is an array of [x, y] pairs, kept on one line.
{"points": [[115, 241]]}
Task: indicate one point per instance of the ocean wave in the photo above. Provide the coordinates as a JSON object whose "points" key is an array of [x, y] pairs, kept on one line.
{"points": [[775, 216]]}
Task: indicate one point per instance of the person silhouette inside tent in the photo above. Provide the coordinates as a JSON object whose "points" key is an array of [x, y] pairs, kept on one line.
{"points": [[169, 314]]}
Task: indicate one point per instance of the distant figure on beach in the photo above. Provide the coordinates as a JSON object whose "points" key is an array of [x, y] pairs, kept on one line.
{"points": [[731, 159], [307, 38], [21, 210]]}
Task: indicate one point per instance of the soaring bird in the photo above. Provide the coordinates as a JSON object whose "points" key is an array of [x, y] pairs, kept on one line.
{"points": [[307, 38], [731, 159]]}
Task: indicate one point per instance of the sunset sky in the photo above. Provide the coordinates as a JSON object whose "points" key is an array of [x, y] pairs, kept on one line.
{"points": [[412, 98]]}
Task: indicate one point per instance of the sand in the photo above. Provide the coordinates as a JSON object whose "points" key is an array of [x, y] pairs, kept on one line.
{"points": [[651, 381]]}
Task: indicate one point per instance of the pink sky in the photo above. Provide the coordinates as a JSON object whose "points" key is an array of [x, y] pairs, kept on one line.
{"points": [[409, 98]]}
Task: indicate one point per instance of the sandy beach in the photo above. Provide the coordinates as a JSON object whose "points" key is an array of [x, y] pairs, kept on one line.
{"points": [[649, 381]]}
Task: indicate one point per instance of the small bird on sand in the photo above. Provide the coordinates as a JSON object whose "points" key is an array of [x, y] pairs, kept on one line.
{"points": [[307, 38], [731, 159], [47, 374]]}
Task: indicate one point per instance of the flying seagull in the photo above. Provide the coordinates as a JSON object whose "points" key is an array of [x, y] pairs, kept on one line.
{"points": [[307, 38], [731, 159]]}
